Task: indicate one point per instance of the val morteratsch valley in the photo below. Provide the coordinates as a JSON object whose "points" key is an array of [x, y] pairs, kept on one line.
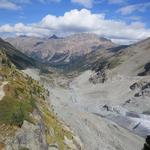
{"points": [[80, 92]]}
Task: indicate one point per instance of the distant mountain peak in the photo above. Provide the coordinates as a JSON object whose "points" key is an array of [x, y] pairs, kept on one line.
{"points": [[54, 37], [23, 36]]}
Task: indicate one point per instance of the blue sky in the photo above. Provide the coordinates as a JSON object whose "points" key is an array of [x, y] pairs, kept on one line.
{"points": [[120, 20]]}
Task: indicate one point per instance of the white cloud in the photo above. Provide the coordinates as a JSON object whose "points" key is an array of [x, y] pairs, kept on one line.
{"points": [[17, 4], [126, 10], [73, 21], [6, 28], [85, 3], [76, 21], [21, 29], [5, 4]]}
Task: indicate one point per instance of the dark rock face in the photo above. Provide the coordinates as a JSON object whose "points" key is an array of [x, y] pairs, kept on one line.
{"points": [[54, 37], [146, 86], [134, 86], [99, 77], [147, 70], [147, 143], [147, 66], [144, 91], [142, 87]]}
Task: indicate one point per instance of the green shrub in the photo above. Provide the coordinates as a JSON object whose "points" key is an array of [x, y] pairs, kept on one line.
{"points": [[13, 111], [17, 119]]}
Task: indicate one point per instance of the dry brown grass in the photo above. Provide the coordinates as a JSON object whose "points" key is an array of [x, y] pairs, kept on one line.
{"points": [[2, 146]]}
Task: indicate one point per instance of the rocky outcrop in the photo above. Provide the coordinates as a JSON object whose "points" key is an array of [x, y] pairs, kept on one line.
{"points": [[147, 143], [142, 88], [136, 86], [99, 77], [30, 136], [144, 91], [147, 70]]}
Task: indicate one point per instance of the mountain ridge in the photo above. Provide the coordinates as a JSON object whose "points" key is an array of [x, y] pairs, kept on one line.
{"points": [[17, 56], [73, 45]]}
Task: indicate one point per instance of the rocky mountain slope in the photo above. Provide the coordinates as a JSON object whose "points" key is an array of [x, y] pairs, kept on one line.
{"points": [[60, 52], [114, 95], [106, 103], [26, 120], [134, 58], [108, 106], [19, 59]]}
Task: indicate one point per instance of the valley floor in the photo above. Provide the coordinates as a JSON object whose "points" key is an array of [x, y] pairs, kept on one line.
{"points": [[97, 112]]}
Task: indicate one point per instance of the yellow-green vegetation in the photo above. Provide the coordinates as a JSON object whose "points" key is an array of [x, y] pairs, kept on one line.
{"points": [[21, 93], [3, 59], [22, 96], [55, 130]]}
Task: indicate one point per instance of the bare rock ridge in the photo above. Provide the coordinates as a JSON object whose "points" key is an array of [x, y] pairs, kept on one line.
{"points": [[131, 60], [54, 37], [58, 51]]}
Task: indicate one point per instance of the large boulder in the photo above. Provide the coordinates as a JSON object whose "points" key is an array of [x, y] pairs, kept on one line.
{"points": [[147, 143], [30, 136], [147, 70], [98, 77]]}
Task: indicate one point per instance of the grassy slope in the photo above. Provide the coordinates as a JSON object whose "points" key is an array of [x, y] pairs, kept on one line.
{"points": [[22, 96]]}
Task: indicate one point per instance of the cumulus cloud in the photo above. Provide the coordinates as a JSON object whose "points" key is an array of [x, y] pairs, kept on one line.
{"points": [[129, 9], [5, 4], [6, 28], [21, 29], [73, 21], [77, 21], [85, 3]]}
